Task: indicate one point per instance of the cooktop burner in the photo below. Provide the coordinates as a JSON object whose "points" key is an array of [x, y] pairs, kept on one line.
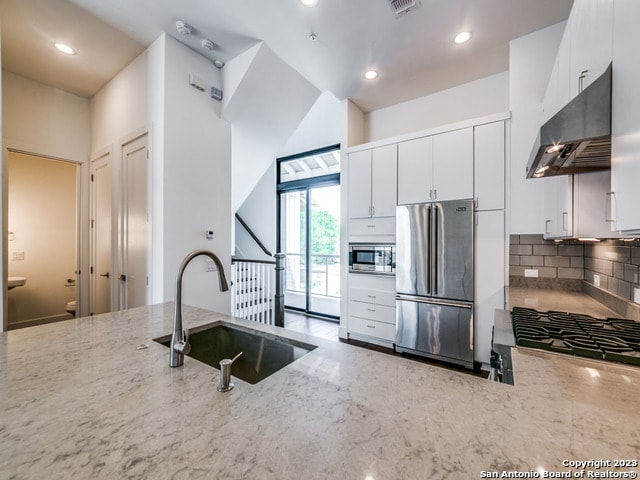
{"points": [[612, 339]]}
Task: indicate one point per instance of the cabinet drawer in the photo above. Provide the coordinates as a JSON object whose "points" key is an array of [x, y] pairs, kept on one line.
{"points": [[371, 311], [371, 328], [377, 297], [372, 226]]}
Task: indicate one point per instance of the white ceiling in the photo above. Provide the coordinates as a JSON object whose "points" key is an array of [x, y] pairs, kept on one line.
{"points": [[414, 54]]}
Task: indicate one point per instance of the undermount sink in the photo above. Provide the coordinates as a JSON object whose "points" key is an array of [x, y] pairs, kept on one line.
{"points": [[13, 282], [262, 354]]}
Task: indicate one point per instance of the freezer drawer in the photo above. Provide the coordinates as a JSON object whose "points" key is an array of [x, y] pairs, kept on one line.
{"points": [[436, 329]]}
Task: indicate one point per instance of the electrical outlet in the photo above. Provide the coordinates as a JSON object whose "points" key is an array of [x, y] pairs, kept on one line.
{"points": [[531, 272], [636, 295], [596, 280], [17, 256], [211, 267]]}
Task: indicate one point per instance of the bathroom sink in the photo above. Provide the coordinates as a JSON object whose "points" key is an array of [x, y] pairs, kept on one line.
{"points": [[262, 353], [13, 282]]}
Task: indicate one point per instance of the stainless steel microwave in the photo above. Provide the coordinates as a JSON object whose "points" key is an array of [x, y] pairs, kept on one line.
{"points": [[372, 258]]}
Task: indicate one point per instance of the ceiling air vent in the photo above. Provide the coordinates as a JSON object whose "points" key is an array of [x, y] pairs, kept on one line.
{"points": [[400, 7]]}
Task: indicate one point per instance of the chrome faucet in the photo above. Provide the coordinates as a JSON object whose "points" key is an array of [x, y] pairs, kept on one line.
{"points": [[180, 338]]}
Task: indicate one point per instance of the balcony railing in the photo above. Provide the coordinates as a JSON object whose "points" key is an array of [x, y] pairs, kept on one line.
{"points": [[324, 278]]}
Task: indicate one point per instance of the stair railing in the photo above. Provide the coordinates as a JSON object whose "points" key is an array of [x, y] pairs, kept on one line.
{"points": [[258, 286]]}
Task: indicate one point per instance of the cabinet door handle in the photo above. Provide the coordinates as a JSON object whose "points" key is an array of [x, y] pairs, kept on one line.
{"points": [[581, 78], [546, 226], [371, 309], [369, 210], [373, 211], [565, 218], [371, 326], [371, 296], [608, 214], [371, 226], [435, 193]]}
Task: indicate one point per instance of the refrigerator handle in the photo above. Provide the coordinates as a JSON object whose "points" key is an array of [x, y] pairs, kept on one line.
{"points": [[436, 254], [429, 247]]}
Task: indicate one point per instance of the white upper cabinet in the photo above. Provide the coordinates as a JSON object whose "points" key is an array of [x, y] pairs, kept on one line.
{"points": [[360, 184], [489, 158], [591, 42], [584, 53], [372, 182], [625, 126], [436, 168], [415, 170], [453, 165], [384, 178], [558, 206]]}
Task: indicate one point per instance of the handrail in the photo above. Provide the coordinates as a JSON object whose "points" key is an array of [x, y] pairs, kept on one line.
{"points": [[253, 235], [246, 260]]}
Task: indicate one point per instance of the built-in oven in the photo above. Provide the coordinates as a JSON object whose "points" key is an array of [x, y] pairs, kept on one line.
{"points": [[378, 258]]}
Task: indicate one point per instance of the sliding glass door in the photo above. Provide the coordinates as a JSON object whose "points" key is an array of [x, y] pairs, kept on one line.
{"points": [[309, 236]]}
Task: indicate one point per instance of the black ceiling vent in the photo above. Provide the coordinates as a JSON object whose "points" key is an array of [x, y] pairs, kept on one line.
{"points": [[401, 7]]}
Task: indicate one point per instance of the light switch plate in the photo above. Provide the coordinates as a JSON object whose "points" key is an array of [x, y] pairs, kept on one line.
{"points": [[596, 280], [636, 295], [531, 272]]}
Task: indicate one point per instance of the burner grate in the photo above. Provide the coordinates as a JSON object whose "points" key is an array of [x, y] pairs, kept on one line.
{"points": [[611, 339]]}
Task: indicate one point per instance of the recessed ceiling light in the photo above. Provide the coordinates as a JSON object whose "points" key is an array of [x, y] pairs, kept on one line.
{"points": [[462, 37], [309, 3], [64, 48], [371, 74]]}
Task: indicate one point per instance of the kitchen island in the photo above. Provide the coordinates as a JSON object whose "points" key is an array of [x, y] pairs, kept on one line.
{"points": [[79, 400]]}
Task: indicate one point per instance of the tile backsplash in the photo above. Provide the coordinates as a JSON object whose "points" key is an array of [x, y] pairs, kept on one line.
{"points": [[573, 265]]}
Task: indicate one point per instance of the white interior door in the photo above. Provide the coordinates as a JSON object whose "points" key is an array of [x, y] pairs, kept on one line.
{"points": [[135, 224], [101, 235]]}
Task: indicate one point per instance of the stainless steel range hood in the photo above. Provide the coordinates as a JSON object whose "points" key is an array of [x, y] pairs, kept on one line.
{"points": [[577, 139]]}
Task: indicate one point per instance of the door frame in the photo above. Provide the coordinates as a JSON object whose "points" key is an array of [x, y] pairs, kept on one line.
{"points": [[81, 240], [303, 185]]}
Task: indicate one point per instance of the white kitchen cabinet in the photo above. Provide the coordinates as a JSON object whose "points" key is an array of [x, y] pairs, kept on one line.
{"points": [[372, 182], [625, 123], [585, 51], [575, 205], [489, 278], [436, 168], [558, 206], [415, 171], [489, 158], [453, 165], [372, 309], [591, 42]]}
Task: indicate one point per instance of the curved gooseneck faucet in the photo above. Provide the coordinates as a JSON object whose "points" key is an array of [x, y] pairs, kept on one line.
{"points": [[180, 339]]}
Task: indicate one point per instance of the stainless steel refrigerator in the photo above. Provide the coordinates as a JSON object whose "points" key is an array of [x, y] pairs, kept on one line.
{"points": [[434, 280]]}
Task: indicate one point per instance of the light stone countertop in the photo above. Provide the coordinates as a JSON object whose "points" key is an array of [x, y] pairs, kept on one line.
{"points": [[77, 400], [560, 300]]}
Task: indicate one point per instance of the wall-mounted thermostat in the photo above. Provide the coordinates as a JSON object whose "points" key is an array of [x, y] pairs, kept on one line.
{"points": [[216, 93]]}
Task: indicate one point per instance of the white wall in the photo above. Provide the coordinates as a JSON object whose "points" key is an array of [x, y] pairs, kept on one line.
{"points": [[321, 127], [120, 107], [197, 173], [531, 60], [474, 99], [44, 120]]}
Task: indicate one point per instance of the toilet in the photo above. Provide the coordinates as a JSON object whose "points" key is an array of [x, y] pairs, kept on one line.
{"points": [[71, 308]]}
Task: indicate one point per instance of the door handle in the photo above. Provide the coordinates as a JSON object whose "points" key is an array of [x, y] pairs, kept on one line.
{"points": [[122, 277], [105, 274]]}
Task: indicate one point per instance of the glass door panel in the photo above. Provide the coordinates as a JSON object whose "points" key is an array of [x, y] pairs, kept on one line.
{"points": [[293, 221], [324, 250]]}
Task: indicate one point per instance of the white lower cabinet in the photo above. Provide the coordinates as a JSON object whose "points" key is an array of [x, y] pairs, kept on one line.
{"points": [[372, 309]]}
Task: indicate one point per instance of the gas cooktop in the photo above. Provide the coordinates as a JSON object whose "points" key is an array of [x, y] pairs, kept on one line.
{"points": [[612, 339]]}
